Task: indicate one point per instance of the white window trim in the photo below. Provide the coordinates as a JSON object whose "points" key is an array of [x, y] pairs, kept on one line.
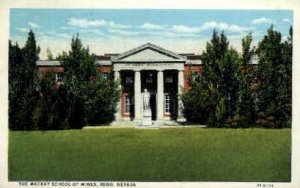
{"points": [[165, 103], [127, 104], [104, 75], [58, 78]]}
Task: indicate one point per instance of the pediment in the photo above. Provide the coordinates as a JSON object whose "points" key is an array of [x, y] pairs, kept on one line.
{"points": [[148, 52]]}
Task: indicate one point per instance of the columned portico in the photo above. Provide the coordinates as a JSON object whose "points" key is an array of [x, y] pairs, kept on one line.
{"points": [[180, 117], [155, 69], [160, 95], [146, 68], [118, 107], [137, 95]]}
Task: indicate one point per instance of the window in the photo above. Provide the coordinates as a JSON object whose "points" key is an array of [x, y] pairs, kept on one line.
{"points": [[40, 75], [169, 79], [127, 104], [167, 103], [58, 78], [104, 75], [128, 80], [195, 75], [149, 80]]}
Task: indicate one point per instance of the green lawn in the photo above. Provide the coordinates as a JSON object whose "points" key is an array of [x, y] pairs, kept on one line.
{"points": [[174, 154]]}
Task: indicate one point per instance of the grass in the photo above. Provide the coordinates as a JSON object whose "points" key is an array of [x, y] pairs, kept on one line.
{"points": [[177, 154]]}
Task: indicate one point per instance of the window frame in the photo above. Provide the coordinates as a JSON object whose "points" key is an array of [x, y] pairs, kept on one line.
{"points": [[128, 80], [169, 80], [58, 78], [104, 75], [127, 104], [167, 103]]}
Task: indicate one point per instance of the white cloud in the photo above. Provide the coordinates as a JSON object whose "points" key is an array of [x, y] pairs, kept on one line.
{"points": [[114, 25], [239, 29], [64, 35], [93, 31], [226, 27], [209, 25], [86, 23], [286, 20], [185, 29], [262, 20], [33, 25], [150, 26], [66, 28], [122, 32], [23, 30]]}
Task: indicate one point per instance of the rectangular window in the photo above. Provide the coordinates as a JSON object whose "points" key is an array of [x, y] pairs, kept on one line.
{"points": [[167, 103], [58, 78], [128, 80], [195, 74], [169, 79], [127, 104], [104, 75], [149, 80]]}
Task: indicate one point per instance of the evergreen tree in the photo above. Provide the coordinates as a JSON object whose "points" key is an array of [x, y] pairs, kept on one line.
{"points": [[49, 54], [245, 112], [23, 82], [90, 99], [274, 73], [103, 95], [15, 86], [214, 94], [49, 114], [77, 65], [247, 52], [287, 57]]}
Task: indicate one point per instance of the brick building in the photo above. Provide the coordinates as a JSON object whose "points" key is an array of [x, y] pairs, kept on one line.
{"points": [[162, 72]]}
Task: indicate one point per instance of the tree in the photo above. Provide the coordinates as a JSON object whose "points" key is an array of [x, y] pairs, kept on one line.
{"points": [[49, 54], [78, 70], [247, 52], [23, 83], [286, 92], [49, 114], [103, 95], [15, 86], [245, 107], [90, 99], [213, 96], [274, 73]]}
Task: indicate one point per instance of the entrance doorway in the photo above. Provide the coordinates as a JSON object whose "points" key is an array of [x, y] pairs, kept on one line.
{"points": [[149, 82], [153, 105]]}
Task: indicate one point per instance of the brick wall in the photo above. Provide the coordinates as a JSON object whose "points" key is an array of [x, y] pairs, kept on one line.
{"points": [[104, 68], [44, 69], [188, 70]]}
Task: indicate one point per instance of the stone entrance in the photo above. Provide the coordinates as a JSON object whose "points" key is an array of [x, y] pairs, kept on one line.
{"points": [[157, 70]]}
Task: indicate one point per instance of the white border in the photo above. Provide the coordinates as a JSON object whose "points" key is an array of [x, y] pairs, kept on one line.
{"points": [[294, 5]]}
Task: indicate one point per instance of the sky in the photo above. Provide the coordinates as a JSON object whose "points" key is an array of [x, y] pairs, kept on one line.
{"points": [[119, 30]]}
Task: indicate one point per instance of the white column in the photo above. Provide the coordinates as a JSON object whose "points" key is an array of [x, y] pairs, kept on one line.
{"points": [[180, 117], [118, 107], [137, 95], [160, 95]]}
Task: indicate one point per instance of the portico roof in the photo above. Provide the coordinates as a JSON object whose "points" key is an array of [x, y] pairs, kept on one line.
{"points": [[150, 53]]}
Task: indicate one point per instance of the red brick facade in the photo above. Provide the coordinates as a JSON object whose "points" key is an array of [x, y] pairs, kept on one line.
{"points": [[188, 71], [104, 65], [45, 69]]}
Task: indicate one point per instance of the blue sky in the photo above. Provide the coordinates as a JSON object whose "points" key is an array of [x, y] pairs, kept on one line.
{"points": [[118, 30]]}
